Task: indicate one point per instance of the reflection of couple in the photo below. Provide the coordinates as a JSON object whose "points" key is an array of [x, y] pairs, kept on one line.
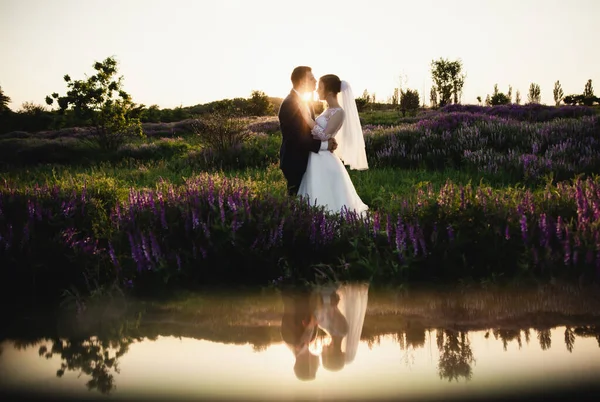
{"points": [[340, 313], [312, 149]]}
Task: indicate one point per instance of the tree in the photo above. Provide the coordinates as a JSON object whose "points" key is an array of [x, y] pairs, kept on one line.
{"points": [[534, 95], [448, 79], [395, 97], [518, 97], [558, 93], [498, 98], [588, 91], [479, 100], [509, 94], [260, 104], [488, 100], [363, 101], [433, 97], [588, 94], [101, 102], [4, 101], [409, 101]]}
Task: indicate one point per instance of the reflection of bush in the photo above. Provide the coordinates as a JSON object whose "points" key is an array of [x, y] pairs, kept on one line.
{"points": [[456, 355], [508, 335], [569, 339], [545, 338], [92, 357], [590, 331]]}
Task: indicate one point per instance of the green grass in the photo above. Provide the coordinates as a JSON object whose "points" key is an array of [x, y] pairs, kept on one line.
{"points": [[377, 187]]}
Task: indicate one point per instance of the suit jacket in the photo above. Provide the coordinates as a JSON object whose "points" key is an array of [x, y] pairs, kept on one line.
{"points": [[298, 141]]}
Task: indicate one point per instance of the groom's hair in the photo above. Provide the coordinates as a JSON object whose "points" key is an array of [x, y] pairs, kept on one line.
{"points": [[298, 74]]}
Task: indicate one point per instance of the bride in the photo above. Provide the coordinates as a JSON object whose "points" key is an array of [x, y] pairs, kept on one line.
{"points": [[326, 181]]}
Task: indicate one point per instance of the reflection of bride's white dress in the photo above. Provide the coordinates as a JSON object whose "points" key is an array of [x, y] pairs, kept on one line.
{"points": [[326, 179], [353, 305]]}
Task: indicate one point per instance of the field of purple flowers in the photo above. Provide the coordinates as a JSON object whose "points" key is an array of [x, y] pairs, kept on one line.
{"points": [[214, 231], [211, 229], [486, 143]]}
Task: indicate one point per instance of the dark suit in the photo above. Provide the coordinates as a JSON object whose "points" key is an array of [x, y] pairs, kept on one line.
{"points": [[297, 142]]}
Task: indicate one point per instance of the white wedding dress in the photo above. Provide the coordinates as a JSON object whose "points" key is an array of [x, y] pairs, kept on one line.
{"points": [[353, 305], [326, 181]]}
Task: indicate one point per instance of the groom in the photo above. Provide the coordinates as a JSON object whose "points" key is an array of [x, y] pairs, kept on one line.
{"points": [[297, 139]]}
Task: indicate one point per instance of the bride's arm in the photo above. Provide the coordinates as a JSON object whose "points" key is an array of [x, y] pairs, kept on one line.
{"points": [[333, 125]]}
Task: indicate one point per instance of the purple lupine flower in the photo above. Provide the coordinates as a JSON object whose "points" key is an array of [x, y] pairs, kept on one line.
{"points": [[195, 219], [231, 204], [163, 217], [450, 232], [113, 257], [544, 235], [152, 203], [156, 253], [146, 248], [413, 238], [422, 239], [400, 237], [313, 232], [135, 252], [376, 224], [559, 225], [221, 208], [523, 222], [30, 209], [280, 230], [567, 248]]}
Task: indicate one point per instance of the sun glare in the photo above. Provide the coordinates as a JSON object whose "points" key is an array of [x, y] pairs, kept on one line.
{"points": [[308, 96]]}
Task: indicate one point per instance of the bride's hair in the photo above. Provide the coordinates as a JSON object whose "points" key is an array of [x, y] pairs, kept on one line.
{"points": [[332, 83]]}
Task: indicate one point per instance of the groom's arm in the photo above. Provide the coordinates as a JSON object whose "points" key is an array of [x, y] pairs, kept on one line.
{"points": [[292, 123]]}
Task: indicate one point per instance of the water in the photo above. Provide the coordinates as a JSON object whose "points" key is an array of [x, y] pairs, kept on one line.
{"points": [[377, 345]]}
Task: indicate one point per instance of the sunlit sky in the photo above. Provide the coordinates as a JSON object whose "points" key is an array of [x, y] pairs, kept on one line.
{"points": [[187, 52]]}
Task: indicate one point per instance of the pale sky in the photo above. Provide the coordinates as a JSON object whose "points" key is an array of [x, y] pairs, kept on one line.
{"points": [[187, 52]]}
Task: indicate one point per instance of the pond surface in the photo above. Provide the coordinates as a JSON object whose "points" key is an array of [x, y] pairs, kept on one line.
{"points": [[359, 344]]}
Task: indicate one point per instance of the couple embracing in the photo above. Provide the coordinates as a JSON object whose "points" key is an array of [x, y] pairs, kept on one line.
{"points": [[314, 151], [338, 310]]}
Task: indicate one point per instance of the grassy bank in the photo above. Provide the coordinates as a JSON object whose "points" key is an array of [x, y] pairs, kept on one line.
{"points": [[457, 195]]}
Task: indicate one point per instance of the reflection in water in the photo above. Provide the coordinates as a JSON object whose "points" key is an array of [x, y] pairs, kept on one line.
{"points": [[330, 338], [93, 357], [337, 311], [456, 356]]}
